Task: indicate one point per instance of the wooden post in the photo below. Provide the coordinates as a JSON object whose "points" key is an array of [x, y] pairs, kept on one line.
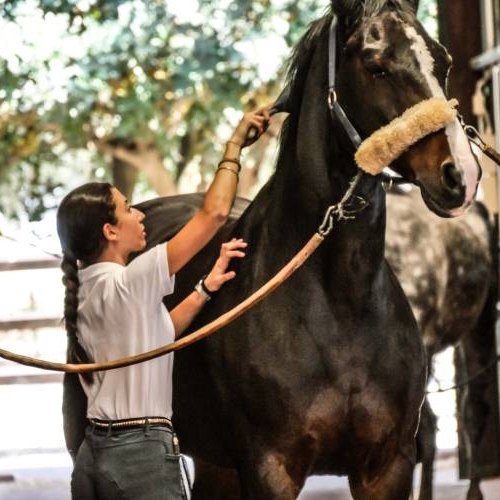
{"points": [[460, 32]]}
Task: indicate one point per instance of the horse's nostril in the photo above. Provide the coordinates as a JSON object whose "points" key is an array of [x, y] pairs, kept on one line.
{"points": [[452, 179]]}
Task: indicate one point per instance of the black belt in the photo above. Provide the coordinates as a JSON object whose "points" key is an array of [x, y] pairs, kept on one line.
{"points": [[129, 423]]}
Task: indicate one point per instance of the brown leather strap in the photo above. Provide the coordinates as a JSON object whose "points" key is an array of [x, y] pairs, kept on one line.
{"points": [[199, 334]]}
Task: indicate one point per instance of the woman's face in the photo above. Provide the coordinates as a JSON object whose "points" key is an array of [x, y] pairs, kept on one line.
{"points": [[130, 232]]}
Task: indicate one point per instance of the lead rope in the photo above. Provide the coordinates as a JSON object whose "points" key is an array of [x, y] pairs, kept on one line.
{"points": [[468, 380], [337, 212]]}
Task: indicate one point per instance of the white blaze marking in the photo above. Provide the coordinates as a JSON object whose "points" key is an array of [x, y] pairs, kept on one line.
{"points": [[458, 141], [425, 60]]}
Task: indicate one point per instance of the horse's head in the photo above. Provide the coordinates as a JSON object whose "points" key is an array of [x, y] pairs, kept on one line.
{"points": [[387, 61]]}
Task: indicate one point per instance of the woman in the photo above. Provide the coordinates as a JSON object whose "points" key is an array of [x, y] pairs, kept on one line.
{"points": [[114, 309]]}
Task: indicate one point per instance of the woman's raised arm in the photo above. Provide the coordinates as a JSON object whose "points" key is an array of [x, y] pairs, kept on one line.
{"points": [[219, 197]]}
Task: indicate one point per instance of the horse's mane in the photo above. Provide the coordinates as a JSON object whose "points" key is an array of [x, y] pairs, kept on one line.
{"points": [[357, 9], [298, 68], [300, 60]]}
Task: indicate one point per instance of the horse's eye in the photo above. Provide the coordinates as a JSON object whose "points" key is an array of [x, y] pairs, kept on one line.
{"points": [[379, 73], [376, 69]]}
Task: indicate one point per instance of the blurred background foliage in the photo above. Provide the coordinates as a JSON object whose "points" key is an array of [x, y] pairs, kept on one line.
{"points": [[140, 92]]}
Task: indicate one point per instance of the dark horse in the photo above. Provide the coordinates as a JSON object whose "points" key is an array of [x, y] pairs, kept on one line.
{"points": [[448, 272], [327, 375]]}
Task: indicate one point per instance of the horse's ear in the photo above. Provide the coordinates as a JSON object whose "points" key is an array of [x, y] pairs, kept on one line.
{"points": [[347, 8], [414, 4], [353, 8]]}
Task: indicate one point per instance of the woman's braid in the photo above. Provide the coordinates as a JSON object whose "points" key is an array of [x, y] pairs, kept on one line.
{"points": [[75, 352]]}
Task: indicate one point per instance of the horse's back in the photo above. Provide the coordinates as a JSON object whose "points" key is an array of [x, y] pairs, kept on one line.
{"points": [[166, 215]]}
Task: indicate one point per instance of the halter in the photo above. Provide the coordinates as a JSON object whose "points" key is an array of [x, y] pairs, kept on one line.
{"points": [[336, 110], [435, 113]]}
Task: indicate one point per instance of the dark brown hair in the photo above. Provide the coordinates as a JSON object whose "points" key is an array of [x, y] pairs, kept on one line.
{"points": [[80, 220]]}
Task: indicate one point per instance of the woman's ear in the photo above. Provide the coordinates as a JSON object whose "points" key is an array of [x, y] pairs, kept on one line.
{"points": [[110, 232]]}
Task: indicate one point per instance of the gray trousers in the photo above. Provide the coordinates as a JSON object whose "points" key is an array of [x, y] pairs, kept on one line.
{"points": [[139, 464]]}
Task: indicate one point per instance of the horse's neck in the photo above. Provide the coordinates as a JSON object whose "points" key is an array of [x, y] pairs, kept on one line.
{"points": [[313, 172], [292, 206]]}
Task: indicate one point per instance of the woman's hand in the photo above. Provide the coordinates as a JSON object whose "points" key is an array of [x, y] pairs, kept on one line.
{"points": [[218, 275], [251, 127]]}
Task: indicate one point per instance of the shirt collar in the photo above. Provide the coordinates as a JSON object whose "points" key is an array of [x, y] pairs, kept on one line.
{"points": [[97, 269]]}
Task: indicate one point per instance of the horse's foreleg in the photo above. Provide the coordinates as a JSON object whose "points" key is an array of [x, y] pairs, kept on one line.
{"points": [[391, 481], [213, 482], [426, 440], [273, 476]]}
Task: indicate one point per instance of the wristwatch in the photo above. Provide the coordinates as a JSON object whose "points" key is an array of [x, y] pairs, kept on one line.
{"points": [[201, 288]]}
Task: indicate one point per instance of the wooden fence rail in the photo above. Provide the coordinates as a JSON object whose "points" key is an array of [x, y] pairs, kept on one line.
{"points": [[30, 321]]}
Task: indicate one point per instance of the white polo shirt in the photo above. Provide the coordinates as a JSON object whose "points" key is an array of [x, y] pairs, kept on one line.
{"points": [[120, 313]]}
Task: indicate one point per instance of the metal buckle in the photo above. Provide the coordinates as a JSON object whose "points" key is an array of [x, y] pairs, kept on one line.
{"points": [[332, 98]]}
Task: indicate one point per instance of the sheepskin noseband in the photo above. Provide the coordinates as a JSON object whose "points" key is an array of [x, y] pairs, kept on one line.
{"points": [[389, 142]]}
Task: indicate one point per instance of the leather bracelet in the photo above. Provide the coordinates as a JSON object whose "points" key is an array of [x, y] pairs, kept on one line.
{"points": [[230, 160], [230, 169]]}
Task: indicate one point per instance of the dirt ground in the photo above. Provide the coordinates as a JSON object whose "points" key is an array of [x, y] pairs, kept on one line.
{"points": [[46, 477]]}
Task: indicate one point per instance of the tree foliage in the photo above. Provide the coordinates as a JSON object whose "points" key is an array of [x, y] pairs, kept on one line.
{"points": [[149, 85]]}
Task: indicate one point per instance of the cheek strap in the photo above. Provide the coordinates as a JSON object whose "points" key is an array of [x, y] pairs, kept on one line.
{"points": [[387, 143]]}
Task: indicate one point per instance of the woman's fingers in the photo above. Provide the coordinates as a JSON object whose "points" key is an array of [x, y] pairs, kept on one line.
{"points": [[234, 244], [258, 120], [229, 250], [227, 276]]}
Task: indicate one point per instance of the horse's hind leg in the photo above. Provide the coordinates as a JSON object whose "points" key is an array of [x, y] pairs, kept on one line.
{"points": [[474, 492], [474, 404], [426, 439]]}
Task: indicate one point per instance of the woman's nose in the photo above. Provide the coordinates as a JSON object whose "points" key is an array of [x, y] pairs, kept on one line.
{"points": [[140, 215]]}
